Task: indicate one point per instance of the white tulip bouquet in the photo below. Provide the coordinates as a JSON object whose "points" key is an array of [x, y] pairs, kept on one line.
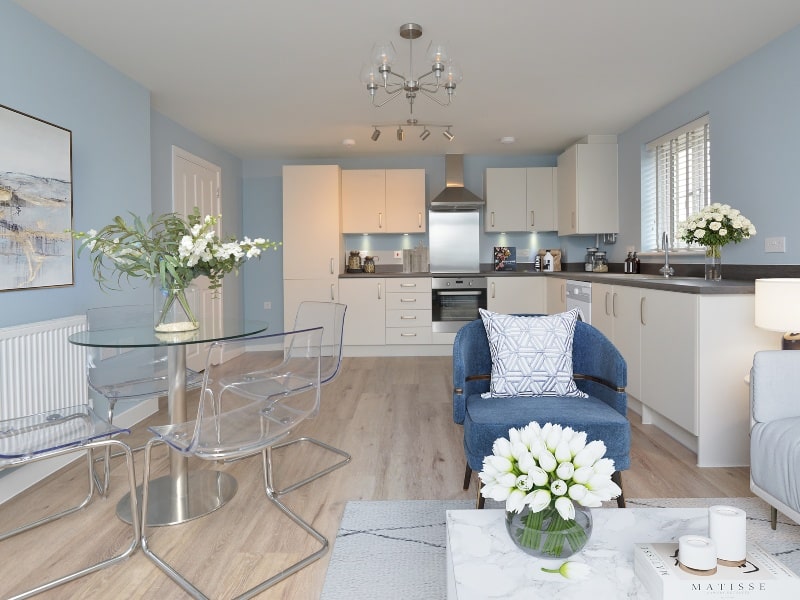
{"points": [[547, 470]]}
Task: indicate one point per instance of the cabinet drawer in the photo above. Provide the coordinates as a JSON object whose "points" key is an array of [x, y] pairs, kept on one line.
{"points": [[408, 301], [408, 284], [408, 335], [408, 318]]}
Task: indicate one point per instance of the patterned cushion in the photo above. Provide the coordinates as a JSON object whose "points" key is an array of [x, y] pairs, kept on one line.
{"points": [[531, 356]]}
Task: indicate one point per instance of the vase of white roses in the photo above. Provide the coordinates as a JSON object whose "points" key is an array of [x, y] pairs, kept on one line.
{"points": [[548, 476], [170, 251], [714, 226]]}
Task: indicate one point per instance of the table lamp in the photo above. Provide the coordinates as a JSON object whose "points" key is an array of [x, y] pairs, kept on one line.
{"points": [[777, 308]]}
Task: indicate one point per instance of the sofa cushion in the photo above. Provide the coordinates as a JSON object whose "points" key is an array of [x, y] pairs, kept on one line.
{"points": [[531, 356], [774, 456], [484, 423]]}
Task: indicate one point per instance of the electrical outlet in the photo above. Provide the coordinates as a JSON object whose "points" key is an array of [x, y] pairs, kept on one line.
{"points": [[267, 305], [775, 244]]}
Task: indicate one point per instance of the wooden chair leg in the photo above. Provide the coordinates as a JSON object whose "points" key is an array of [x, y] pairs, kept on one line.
{"points": [[467, 477], [616, 477], [480, 501], [773, 517]]}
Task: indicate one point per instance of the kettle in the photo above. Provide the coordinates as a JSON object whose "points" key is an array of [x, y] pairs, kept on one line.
{"points": [[369, 264], [354, 262]]}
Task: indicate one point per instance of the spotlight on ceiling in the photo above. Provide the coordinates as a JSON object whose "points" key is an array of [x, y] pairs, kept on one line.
{"points": [[376, 134], [425, 134], [446, 133], [400, 134]]}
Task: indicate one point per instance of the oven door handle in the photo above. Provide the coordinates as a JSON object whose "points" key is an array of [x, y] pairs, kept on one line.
{"points": [[459, 293]]}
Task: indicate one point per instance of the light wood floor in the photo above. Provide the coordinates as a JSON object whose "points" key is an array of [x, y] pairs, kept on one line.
{"points": [[393, 414]]}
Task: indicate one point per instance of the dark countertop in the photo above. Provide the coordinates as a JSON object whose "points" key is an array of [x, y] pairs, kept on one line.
{"points": [[687, 285]]}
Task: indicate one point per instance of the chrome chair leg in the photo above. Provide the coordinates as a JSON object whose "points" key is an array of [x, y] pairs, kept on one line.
{"points": [[189, 587], [346, 459], [88, 448]]}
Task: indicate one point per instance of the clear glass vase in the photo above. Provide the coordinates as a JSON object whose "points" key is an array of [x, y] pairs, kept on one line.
{"points": [[174, 310], [713, 263], [546, 535]]}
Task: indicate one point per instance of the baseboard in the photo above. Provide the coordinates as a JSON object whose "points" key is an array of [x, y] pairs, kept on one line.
{"points": [[16, 481]]}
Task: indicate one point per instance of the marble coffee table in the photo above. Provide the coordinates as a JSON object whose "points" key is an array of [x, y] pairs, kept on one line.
{"points": [[483, 562]]}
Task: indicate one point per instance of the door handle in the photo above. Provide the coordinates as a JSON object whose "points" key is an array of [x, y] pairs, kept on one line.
{"points": [[606, 303], [614, 304], [641, 311]]}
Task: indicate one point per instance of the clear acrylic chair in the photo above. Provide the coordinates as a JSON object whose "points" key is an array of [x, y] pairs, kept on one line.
{"points": [[329, 316], [122, 374], [28, 439], [239, 416]]}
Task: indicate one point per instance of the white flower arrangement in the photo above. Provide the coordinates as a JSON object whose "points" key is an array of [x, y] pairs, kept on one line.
{"points": [[716, 225], [548, 469], [170, 248]]}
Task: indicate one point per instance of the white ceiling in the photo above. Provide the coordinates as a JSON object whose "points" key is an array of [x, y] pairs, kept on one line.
{"points": [[268, 79]]}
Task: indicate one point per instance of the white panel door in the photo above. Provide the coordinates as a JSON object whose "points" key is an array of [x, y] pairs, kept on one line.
{"points": [[196, 182]]}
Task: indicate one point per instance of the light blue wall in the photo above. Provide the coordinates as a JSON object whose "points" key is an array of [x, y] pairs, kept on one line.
{"points": [[166, 133], [47, 76], [754, 109]]}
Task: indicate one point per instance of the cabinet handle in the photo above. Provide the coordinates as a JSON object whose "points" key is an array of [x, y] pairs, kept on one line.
{"points": [[333, 293], [641, 311], [408, 335], [408, 299], [533, 220], [493, 289], [380, 220], [614, 304], [492, 219], [380, 290], [408, 285], [419, 220], [331, 265], [606, 303], [404, 317]]}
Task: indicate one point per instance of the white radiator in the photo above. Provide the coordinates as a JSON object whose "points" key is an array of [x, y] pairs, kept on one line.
{"points": [[39, 369]]}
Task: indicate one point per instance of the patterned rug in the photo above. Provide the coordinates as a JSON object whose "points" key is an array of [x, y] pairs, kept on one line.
{"points": [[396, 549]]}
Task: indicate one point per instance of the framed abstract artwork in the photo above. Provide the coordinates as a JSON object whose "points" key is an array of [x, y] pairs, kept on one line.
{"points": [[35, 203]]}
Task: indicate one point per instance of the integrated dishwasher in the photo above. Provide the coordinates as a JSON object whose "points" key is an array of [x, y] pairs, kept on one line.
{"points": [[579, 295]]}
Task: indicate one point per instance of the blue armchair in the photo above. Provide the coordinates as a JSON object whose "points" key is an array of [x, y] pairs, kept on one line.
{"points": [[599, 371]]}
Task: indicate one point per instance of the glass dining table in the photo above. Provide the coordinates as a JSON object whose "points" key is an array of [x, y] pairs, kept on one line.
{"points": [[183, 494]]}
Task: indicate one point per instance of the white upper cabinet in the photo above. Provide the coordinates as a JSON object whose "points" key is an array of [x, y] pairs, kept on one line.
{"points": [[520, 199], [587, 189], [383, 201]]}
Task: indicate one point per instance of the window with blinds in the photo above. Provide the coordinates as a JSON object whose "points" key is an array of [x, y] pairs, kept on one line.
{"points": [[676, 182]]}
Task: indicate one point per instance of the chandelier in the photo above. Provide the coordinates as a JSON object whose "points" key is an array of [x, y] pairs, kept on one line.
{"points": [[438, 84]]}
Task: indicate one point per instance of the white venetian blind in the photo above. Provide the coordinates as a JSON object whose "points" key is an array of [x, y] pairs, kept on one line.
{"points": [[676, 181]]}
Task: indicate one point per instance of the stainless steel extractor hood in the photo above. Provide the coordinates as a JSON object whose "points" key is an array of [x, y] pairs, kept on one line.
{"points": [[455, 196]]}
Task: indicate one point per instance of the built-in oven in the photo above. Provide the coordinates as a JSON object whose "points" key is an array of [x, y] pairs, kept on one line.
{"points": [[455, 302]]}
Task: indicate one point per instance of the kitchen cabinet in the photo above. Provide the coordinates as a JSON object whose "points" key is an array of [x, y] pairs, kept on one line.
{"points": [[312, 245], [616, 313], [556, 295], [587, 189], [522, 199], [383, 201], [520, 295], [408, 310], [365, 320]]}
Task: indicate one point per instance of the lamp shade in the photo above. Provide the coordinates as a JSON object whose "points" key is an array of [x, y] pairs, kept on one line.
{"points": [[777, 304]]}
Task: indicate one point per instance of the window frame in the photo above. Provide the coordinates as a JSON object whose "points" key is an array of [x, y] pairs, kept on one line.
{"points": [[676, 182]]}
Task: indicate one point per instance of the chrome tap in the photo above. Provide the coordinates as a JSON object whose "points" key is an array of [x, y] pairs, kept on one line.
{"points": [[666, 270]]}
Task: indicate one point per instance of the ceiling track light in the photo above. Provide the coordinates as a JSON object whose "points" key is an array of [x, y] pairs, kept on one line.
{"points": [[401, 129], [439, 82]]}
